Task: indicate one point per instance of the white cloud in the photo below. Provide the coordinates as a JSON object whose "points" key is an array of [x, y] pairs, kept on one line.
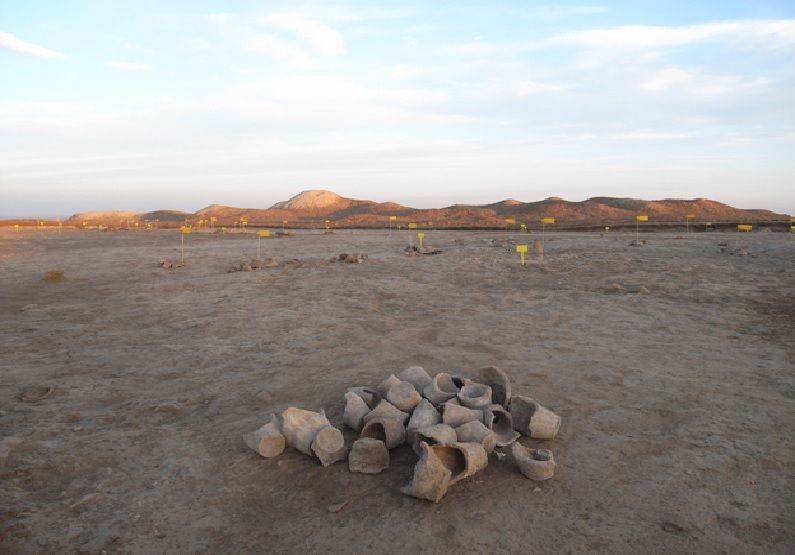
{"points": [[773, 32], [675, 79], [128, 66], [277, 48], [19, 46], [527, 87], [324, 40]]}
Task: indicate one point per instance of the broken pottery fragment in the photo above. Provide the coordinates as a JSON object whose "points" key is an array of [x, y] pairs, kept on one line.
{"points": [[268, 440], [301, 426], [388, 430], [438, 434], [462, 459], [329, 445], [385, 409], [431, 477], [403, 396], [535, 464], [368, 456], [442, 387], [368, 395], [416, 376], [355, 410], [387, 384], [499, 383], [499, 421], [425, 414], [475, 396], [455, 415], [476, 432], [532, 419]]}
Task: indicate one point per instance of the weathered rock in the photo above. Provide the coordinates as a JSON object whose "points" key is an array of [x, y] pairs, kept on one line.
{"points": [[535, 464], [475, 396], [425, 414], [416, 376], [532, 419], [268, 440], [355, 410], [499, 383], [438, 434], [499, 421], [476, 432], [456, 415], [301, 426], [404, 396], [389, 430], [329, 445], [368, 456]]}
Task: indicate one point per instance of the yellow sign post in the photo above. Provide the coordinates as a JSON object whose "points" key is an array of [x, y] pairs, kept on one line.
{"points": [[412, 227], [185, 229], [260, 234], [509, 222], [16, 228], [523, 228], [639, 218], [689, 218], [420, 236], [244, 223], [744, 227], [392, 219], [545, 221], [522, 250], [284, 226], [60, 224]]}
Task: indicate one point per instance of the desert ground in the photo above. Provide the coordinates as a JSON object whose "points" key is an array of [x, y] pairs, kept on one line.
{"points": [[676, 388]]}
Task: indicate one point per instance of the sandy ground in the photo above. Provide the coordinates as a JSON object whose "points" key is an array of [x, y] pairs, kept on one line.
{"points": [[678, 404]]}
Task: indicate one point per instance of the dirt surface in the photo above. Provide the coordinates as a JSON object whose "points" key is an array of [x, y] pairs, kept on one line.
{"points": [[125, 389]]}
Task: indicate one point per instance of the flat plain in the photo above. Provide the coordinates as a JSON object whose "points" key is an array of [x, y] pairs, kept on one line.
{"points": [[672, 365]]}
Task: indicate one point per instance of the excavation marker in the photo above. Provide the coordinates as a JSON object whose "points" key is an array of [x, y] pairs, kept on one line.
{"points": [[420, 236], [639, 218], [744, 227], [509, 222], [688, 219], [547, 220], [185, 229], [260, 234], [522, 250]]}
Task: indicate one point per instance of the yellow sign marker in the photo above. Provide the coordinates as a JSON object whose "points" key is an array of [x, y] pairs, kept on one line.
{"points": [[185, 229], [263, 233], [744, 227], [420, 236], [607, 228], [523, 227], [392, 218], [642, 218], [510, 221], [548, 220], [16, 228], [412, 226], [691, 216], [522, 250]]}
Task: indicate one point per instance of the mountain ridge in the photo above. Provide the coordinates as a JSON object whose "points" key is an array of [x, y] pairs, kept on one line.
{"points": [[315, 207]]}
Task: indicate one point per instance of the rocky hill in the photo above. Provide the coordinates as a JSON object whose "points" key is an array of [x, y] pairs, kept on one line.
{"points": [[314, 207]]}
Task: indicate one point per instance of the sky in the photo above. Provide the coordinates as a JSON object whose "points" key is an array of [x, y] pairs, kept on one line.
{"points": [[146, 104]]}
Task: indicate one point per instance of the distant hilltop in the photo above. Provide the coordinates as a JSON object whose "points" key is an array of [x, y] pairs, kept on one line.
{"points": [[318, 207]]}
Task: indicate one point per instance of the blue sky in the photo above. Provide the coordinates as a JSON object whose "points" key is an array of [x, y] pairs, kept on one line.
{"points": [[144, 105]]}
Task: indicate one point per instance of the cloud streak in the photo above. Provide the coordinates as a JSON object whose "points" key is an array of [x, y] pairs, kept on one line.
{"points": [[18, 46], [128, 66]]}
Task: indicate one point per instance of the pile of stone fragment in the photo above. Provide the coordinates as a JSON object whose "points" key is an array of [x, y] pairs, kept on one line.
{"points": [[253, 265], [452, 423], [355, 258]]}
